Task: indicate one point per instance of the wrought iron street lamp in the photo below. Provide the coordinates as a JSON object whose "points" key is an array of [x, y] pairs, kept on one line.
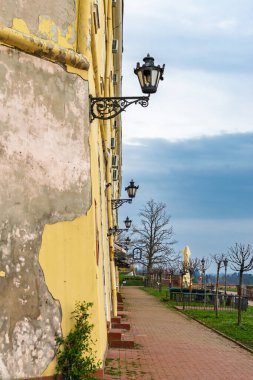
{"points": [[131, 190], [205, 264], [149, 76], [127, 222], [203, 271], [118, 231], [225, 266]]}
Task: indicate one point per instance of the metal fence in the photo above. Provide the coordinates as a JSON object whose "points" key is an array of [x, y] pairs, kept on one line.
{"points": [[208, 301]]}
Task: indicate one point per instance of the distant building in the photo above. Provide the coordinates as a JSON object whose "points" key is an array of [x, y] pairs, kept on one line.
{"points": [[57, 179]]}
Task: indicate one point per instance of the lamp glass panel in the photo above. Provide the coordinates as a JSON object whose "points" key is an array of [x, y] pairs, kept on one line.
{"points": [[131, 192], [140, 77], [155, 77]]}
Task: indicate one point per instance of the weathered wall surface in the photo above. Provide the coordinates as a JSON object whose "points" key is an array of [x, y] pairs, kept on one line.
{"points": [[45, 178], [37, 15]]}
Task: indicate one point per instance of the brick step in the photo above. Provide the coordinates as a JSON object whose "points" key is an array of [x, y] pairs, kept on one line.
{"points": [[120, 307], [99, 374], [128, 343], [120, 298], [115, 319], [121, 325], [114, 335]]}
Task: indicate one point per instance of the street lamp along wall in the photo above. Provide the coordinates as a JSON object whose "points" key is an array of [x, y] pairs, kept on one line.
{"points": [[127, 222], [109, 107], [203, 271], [149, 75], [117, 231], [131, 190]]}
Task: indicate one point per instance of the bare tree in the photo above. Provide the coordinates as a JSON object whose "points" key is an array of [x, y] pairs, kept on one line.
{"points": [[170, 271], [219, 261], [155, 236], [241, 260]]}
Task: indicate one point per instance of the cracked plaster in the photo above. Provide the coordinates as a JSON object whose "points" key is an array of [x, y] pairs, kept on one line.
{"points": [[45, 178]]}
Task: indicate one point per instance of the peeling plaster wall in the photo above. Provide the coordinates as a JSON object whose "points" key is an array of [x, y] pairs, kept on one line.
{"points": [[45, 178], [61, 14]]}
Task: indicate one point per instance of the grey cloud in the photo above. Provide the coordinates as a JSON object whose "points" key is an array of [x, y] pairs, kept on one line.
{"points": [[199, 178], [206, 183]]}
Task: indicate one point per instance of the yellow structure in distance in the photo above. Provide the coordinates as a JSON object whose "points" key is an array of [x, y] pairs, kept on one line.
{"points": [[186, 275]]}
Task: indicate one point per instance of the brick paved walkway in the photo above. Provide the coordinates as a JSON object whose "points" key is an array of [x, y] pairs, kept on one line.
{"points": [[172, 346]]}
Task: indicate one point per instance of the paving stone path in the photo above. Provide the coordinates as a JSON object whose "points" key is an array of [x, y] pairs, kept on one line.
{"points": [[169, 345]]}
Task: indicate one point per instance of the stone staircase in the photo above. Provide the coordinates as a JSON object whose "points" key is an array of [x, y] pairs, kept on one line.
{"points": [[117, 336]]}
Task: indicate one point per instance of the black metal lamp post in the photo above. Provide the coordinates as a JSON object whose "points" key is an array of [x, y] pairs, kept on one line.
{"points": [[203, 271], [131, 190], [204, 267], [148, 75], [118, 231], [225, 266]]}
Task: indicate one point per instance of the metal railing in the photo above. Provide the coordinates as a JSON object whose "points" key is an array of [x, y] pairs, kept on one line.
{"points": [[208, 301]]}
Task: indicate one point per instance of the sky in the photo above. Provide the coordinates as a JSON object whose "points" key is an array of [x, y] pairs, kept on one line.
{"points": [[192, 148]]}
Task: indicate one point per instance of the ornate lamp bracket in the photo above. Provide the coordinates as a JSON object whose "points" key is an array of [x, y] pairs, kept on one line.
{"points": [[116, 231], [116, 203], [108, 108]]}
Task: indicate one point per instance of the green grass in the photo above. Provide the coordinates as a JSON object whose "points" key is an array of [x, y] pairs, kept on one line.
{"points": [[226, 322], [156, 293], [160, 295], [229, 288]]}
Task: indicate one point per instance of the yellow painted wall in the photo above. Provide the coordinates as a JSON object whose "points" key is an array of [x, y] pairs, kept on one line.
{"points": [[68, 258], [68, 250], [94, 283]]}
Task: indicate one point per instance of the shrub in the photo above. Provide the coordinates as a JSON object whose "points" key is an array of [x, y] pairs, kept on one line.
{"points": [[75, 358], [133, 280]]}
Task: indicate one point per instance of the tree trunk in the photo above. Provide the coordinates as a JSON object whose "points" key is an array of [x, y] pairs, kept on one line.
{"points": [[160, 282], [239, 319], [149, 274], [217, 291]]}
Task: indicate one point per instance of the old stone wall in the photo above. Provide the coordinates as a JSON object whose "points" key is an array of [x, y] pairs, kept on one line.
{"points": [[45, 178], [57, 16]]}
